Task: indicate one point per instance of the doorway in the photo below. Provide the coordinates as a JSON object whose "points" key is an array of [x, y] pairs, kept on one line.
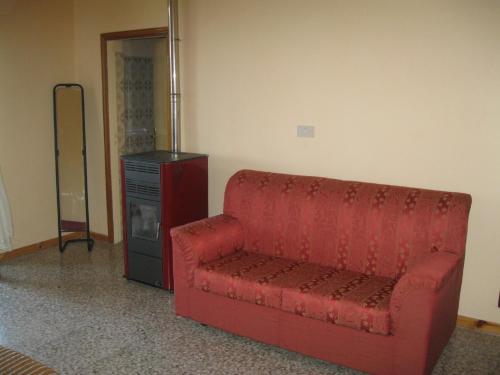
{"points": [[136, 114]]}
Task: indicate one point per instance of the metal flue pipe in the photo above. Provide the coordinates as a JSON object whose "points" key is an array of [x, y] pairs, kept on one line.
{"points": [[175, 95]]}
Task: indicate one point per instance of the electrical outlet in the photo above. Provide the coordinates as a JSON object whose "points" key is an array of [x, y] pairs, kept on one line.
{"points": [[305, 131]]}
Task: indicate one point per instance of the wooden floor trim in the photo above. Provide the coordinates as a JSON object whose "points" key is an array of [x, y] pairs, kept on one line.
{"points": [[99, 237], [478, 325], [33, 248]]}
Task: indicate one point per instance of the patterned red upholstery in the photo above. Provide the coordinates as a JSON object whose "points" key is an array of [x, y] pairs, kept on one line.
{"points": [[346, 298], [431, 274], [374, 229], [246, 276], [341, 297], [363, 275], [208, 239]]}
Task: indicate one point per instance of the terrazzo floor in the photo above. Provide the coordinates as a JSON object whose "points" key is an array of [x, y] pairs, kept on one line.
{"points": [[76, 313]]}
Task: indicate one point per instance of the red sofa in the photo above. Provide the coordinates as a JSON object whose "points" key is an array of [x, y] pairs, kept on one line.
{"points": [[359, 274]]}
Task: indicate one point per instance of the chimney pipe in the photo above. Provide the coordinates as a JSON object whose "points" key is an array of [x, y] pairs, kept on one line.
{"points": [[175, 95]]}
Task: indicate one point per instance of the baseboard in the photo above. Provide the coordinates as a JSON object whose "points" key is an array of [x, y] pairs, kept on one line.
{"points": [[478, 324], [33, 248], [99, 236]]}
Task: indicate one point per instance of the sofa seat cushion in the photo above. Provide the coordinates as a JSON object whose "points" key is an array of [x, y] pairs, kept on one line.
{"points": [[246, 276], [341, 297], [346, 298]]}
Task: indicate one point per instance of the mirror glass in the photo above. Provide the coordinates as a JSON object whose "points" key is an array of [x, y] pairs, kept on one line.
{"points": [[71, 163]]}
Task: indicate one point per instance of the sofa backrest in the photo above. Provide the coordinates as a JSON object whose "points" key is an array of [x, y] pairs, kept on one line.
{"points": [[375, 229]]}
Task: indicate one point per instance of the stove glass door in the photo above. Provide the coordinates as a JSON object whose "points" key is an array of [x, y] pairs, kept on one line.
{"points": [[145, 220]]}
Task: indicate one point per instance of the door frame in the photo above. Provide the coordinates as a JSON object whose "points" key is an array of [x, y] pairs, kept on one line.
{"points": [[157, 32]]}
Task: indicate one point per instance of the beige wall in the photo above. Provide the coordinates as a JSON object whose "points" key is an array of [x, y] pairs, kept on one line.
{"points": [[161, 94], [36, 52], [399, 92]]}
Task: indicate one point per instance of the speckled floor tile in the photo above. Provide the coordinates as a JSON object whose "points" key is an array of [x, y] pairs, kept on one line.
{"points": [[76, 313]]}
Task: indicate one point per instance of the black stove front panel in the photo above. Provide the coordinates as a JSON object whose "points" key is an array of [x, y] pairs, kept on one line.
{"points": [[145, 269], [144, 237]]}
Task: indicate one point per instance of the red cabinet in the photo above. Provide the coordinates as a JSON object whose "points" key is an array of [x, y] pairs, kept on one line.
{"points": [[160, 190]]}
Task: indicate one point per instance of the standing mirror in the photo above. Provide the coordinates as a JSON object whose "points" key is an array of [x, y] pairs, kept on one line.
{"points": [[71, 165]]}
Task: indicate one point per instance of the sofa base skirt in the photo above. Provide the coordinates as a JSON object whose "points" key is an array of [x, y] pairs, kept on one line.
{"points": [[340, 345]]}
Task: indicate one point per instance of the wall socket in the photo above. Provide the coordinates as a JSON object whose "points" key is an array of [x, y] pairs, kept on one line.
{"points": [[305, 131]]}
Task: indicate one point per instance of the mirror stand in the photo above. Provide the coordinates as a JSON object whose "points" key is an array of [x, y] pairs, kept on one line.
{"points": [[71, 165]]}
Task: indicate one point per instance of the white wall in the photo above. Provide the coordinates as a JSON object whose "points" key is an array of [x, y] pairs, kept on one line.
{"points": [[399, 92], [36, 52]]}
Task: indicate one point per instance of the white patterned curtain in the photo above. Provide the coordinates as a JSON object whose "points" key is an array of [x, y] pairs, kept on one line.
{"points": [[135, 104]]}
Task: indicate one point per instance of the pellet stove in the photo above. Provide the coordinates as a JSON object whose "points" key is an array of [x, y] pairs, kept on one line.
{"points": [[160, 190]]}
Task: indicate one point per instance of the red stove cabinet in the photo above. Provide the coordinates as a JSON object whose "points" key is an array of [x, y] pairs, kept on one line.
{"points": [[160, 190]]}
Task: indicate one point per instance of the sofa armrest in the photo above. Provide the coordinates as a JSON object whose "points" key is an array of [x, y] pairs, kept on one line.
{"points": [[430, 273], [429, 276], [205, 240], [423, 309]]}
